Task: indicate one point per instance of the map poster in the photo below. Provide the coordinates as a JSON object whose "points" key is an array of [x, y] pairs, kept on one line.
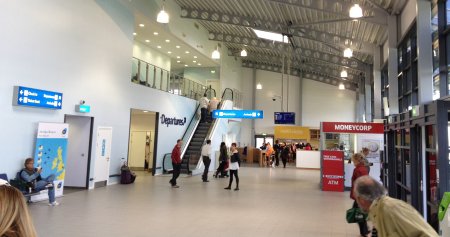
{"points": [[50, 154]]}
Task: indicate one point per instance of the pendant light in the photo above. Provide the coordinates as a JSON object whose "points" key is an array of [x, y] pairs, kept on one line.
{"points": [[162, 17], [348, 53], [355, 11], [259, 86], [344, 74], [341, 86], [216, 53], [244, 53]]}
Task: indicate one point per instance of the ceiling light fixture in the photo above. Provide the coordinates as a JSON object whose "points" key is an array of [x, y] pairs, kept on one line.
{"points": [[199, 64], [178, 57], [348, 53], [185, 65], [271, 36], [167, 41], [355, 11], [159, 46], [147, 41], [244, 53], [195, 56], [216, 53], [134, 33], [177, 46], [187, 52], [141, 25], [155, 33], [259, 86], [194, 61], [145, 111], [178, 61], [162, 17], [341, 86], [344, 74], [169, 52]]}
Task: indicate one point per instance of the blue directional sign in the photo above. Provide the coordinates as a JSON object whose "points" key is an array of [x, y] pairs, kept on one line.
{"points": [[25, 96], [242, 114]]}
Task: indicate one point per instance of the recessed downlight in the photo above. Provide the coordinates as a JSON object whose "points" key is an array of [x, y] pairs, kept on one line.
{"points": [[178, 57], [178, 61], [187, 52], [195, 56], [194, 61], [147, 41], [167, 40], [141, 25], [159, 46], [155, 33], [134, 33], [185, 65], [177, 46], [145, 111], [199, 64], [169, 52]]}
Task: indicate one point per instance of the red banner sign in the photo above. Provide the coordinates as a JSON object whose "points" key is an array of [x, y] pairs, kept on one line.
{"points": [[343, 127], [333, 171]]}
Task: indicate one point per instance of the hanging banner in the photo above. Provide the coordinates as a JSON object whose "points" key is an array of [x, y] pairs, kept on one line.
{"points": [[333, 171], [50, 154]]}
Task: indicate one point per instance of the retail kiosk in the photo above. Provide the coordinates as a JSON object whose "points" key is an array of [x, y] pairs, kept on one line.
{"points": [[338, 142]]}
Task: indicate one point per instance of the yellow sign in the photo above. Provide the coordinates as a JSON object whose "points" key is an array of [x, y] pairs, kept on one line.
{"points": [[292, 132]]}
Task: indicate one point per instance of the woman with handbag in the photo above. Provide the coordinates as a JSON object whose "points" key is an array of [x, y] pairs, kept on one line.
{"points": [[223, 160], [235, 162], [360, 170]]}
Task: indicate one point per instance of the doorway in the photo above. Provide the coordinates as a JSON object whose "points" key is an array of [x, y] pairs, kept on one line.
{"points": [[142, 137], [260, 139], [78, 151]]}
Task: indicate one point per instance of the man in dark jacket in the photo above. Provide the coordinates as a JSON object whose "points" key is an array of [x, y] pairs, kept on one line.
{"points": [[176, 163]]}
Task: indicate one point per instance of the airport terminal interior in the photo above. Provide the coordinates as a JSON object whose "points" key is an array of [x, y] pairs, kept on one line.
{"points": [[105, 95]]}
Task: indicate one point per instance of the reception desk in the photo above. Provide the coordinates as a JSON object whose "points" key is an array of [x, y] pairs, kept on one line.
{"points": [[308, 159]]}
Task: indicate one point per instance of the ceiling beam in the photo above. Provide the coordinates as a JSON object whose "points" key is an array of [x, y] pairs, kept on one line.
{"points": [[311, 75], [277, 62], [298, 53], [340, 8], [320, 36]]}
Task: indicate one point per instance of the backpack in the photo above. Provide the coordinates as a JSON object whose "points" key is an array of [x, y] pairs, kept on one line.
{"points": [[126, 175]]}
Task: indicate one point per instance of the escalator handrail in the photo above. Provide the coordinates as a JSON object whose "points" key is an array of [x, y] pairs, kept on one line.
{"points": [[232, 94]]}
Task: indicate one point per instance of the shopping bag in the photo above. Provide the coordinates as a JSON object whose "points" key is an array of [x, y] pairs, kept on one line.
{"points": [[355, 215]]}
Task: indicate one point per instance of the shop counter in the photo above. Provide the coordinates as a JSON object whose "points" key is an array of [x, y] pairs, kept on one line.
{"points": [[308, 159]]}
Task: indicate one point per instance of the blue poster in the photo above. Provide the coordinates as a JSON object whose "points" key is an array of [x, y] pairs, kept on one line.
{"points": [[51, 152]]}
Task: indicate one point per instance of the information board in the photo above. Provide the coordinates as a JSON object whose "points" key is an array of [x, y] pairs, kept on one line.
{"points": [[284, 117], [333, 171], [240, 114], [26, 96]]}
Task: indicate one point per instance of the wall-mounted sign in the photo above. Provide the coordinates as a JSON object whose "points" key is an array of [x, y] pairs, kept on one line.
{"points": [[242, 114], [172, 121], [82, 108], [342, 127], [284, 117], [292, 132], [25, 96]]}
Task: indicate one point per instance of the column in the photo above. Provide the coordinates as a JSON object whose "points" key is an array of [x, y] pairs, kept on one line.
{"points": [[393, 65], [424, 52], [377, 83], [368, 94]]}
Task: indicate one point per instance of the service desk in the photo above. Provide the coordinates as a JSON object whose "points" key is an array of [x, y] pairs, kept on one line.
{"points": [[308, 159]]}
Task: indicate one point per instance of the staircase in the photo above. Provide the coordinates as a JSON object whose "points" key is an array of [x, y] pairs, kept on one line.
{"points": [[193, 152]]}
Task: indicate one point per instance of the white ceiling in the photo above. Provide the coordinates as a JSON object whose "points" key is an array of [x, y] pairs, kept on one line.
{"points": [[181, 54]]}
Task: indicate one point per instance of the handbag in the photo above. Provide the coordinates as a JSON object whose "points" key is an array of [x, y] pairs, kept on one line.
{"points": [[355, 215]]}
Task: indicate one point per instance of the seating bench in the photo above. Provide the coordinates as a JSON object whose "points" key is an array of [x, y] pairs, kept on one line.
{"points": [[15, 183]]}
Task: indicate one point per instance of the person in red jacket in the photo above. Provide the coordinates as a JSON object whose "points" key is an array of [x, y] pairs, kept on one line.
{"points": [[359, 171], [176, 163]]}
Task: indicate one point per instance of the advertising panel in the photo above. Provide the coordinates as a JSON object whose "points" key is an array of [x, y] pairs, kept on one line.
{"points": [[50, 154], [333, 171], [343, 127]]}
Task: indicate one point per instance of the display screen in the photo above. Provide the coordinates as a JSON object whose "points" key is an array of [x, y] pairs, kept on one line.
{"points": [[284, 118]]}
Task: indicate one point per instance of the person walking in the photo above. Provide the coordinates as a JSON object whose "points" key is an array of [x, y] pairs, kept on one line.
{"points": [[204, 102], [213, 103], [390, 216], [360, 170], [176, 163], [235, 162], [284, 154], [206, 156], [223, 159], [277, 149]]}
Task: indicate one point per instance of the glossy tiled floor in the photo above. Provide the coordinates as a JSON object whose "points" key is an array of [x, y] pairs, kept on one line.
{"points": [[271, 202]]}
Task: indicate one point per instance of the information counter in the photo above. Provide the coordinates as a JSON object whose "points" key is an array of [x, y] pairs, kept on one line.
{"points": [[308, 159]]}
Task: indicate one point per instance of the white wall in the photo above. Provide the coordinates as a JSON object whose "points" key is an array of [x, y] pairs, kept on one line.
{"points": [[201, 74], [271, 86], [151, 56], [323, 102], [230, 72], [82, 49], [407, 17]]}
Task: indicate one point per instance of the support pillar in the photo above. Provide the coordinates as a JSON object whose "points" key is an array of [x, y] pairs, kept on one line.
{"points": [[377, 83], [424, 52], [393, 65]]}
